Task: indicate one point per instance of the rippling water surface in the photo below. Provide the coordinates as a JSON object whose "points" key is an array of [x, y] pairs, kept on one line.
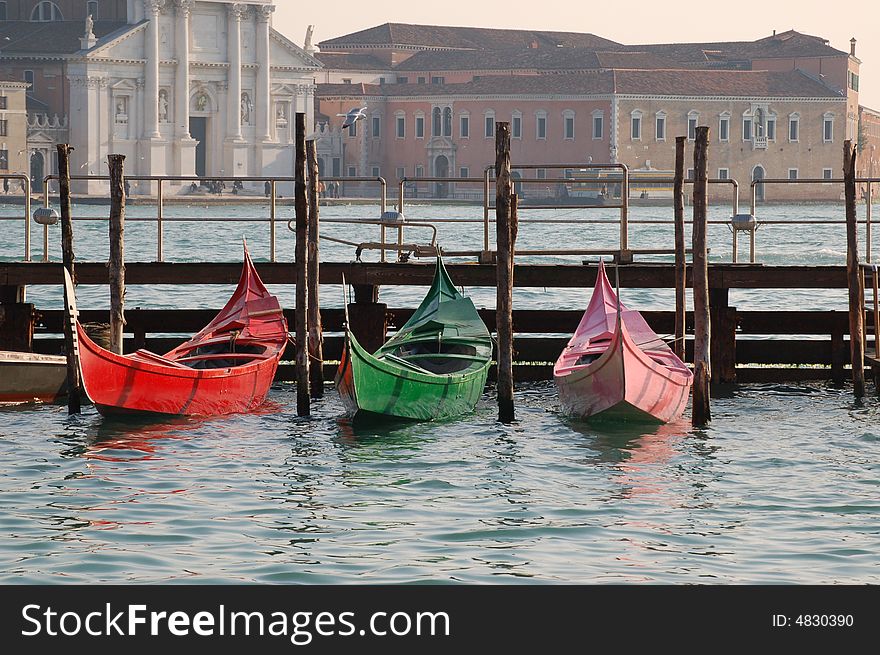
{"points": [[783, 487]]}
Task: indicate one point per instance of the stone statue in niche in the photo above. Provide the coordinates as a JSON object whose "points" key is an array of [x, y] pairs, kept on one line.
{"points": [[280, 116], [163, 106], [121, 110], [201, 102], [246, 108]]}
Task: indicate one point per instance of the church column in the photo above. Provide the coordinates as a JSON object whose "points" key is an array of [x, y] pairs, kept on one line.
{"points": [[263, 100], [181, 47], [151, 74], [235, 13]]}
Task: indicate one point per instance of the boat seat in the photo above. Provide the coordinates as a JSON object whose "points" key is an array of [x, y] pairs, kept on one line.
{"points": [[472, 358], [197, 358], [147, 357], [403, 362]]}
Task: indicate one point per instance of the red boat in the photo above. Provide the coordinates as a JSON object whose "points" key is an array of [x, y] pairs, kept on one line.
{"points": [[228, 367], [616, 366]]}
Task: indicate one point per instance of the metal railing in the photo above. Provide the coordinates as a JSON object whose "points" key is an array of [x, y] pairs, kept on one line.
{"points": [[160, 218], [836, 180], [25, 185]]}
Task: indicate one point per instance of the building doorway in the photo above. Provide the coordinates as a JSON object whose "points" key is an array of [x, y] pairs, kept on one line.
{"points": [[758, 173], [38, 168], [441, 169], [198, 130]]}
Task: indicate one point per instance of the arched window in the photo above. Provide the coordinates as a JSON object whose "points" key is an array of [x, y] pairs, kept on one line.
{"points": [[437, 116], [46, 11], [447, 121]]}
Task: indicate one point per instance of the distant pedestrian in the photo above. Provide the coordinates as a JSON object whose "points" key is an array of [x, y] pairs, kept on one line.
{"points": [[322, 189], [5, 185], [267, 188], [127, 189]]}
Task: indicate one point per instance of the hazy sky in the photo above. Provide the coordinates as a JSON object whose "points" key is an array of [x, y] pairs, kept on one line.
{"points": [[631, 22]]}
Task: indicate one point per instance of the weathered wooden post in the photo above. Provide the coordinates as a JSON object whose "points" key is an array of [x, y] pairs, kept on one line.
{"points": [[506, 228], [117, 251], [73, 379], [301, 207], [316, 332], [680, 265], [702, 369], [856, 288]]}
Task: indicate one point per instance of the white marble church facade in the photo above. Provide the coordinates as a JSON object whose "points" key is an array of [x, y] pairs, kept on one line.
{"points": [[190, 87]]}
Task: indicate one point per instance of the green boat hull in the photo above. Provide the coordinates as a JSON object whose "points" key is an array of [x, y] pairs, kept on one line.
{"points": [[371, 386], [434, 368]]}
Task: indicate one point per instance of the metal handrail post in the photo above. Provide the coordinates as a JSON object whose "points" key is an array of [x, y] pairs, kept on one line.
{"points": [[384, 191], [160, 236], [27, 218], [754, 204], [46, 227], [876, 305], [486, 209], [735, 185], [868, 227], [624, 209], [272, 210]]}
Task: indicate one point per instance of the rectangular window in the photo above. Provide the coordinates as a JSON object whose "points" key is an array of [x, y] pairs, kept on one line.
{"points": [[403, 79], [421, 80], [853, 81], [2, 11], [568, 127], [792, 173], [597, 127], [381, 80], [542, 127], [374, 171], [29, 78], [401, 127], [661, 128], [794, 126], [92, 9], [636, 128], [464, 171], [747, 129], [490, 126], [377, 120], [724, 129], [690, 174], [353, 129], [771, 129], [420, 127], [346, 80], [420, 171], [337, 167], [401, 172], [4, 127], [352, 171], [827, 173], [516, 127], [828, 129], [436, 79], [3, 102], [464, 127], [692, 129], [541, 173], [723, 173], [4, 160]]}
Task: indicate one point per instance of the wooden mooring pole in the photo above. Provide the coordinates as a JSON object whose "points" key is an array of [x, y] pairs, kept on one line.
{"points": [[680, 265], [506, 229], [74, 387], [301, 207], [702, 329], [856, 288], [316, 332], [117, 251]]}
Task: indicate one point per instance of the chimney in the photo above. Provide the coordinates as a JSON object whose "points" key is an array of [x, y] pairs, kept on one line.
{"points": [[774, 32], [852, 46]]}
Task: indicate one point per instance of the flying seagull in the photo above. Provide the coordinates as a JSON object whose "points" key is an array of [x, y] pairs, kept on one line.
{"points": [[354, 115]]}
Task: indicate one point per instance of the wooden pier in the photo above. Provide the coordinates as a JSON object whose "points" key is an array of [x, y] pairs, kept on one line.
{"points": [[747, 346]]}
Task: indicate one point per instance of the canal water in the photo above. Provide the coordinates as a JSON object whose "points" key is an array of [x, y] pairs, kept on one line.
{"points": [[782, 487]]}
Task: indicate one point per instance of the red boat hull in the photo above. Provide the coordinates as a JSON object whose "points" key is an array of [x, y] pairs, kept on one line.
{"points": [[226, 368], [117, 385]]}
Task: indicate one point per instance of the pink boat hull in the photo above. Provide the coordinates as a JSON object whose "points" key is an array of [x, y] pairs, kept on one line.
{"points": [[604, 372]]}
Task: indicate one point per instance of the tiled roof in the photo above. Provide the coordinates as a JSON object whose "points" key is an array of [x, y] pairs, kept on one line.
{"points": [[354, 61], [473, 38], [696, 83], [26, 38], [685, 83]]}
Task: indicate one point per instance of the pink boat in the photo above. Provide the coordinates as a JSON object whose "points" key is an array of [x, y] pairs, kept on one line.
{"points": [[615, 366]]}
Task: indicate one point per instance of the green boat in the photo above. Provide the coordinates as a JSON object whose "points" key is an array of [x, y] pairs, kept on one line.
{"points": [[434, 367]]}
